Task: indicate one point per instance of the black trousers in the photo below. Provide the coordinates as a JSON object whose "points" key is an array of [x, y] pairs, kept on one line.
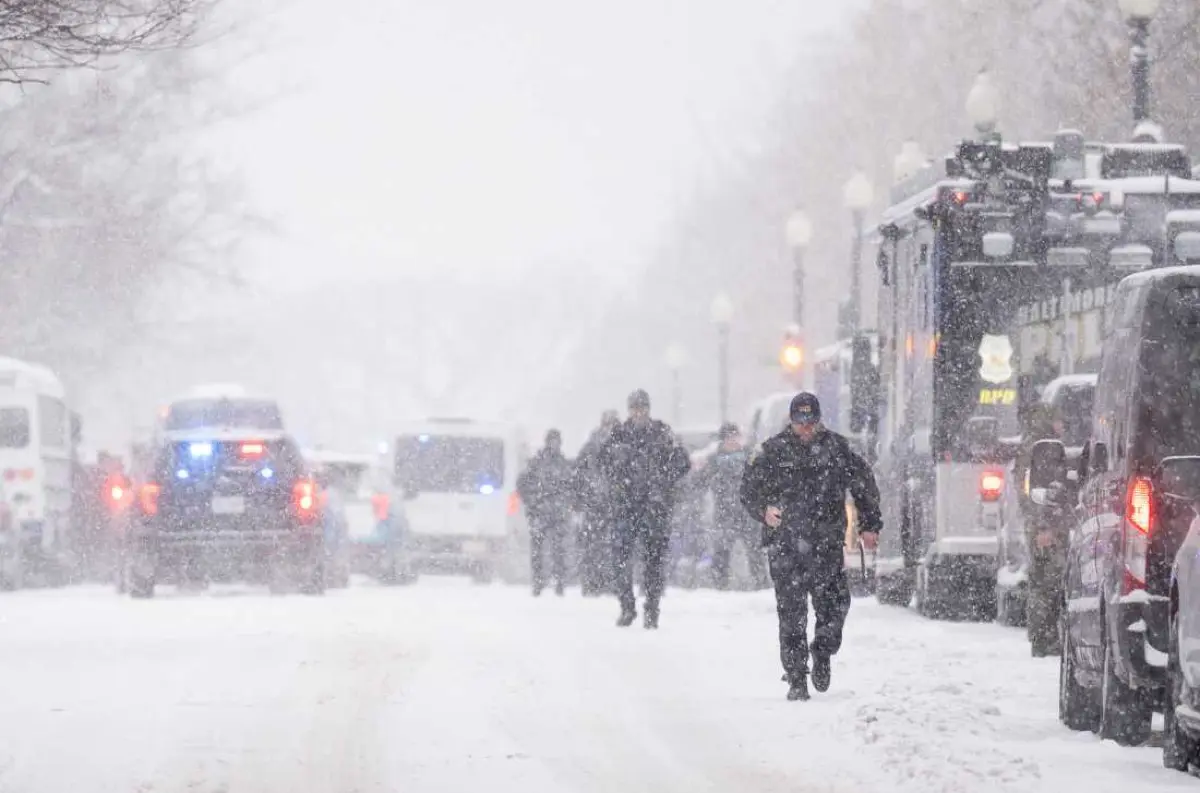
{"points": [[649, 529], [725, 536], [547, 537], [798, 577]]}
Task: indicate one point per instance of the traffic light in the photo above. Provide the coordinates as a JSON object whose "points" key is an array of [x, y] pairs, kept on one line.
{"points": [[791, 355]]}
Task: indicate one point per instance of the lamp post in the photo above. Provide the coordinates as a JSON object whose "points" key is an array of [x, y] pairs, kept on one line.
{"points": [[983, 106], [799, 233], [676, 358], [722, 317], [1139, 13], [858, 195]]}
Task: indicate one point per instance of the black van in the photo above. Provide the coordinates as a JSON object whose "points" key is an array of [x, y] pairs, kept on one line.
{"points": [[1125, 534]]}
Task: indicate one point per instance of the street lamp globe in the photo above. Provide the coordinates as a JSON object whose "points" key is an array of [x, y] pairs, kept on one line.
{"points": [[908, 161], [983, 103], [799, 230], [1139, 9], [676, 357], [858, 192], [722, 309]]}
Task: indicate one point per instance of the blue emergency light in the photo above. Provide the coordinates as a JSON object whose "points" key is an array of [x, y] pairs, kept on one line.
{"points": [[487, 490], [266, 473], [202, 449]]}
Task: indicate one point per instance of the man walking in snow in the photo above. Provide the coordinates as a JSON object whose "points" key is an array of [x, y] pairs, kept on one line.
{"points": [[796, 485], [722, 476], [643, 463], [545, 487]]}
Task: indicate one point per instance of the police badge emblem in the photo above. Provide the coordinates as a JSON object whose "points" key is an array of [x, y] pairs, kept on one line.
{"points": [[995, 354]]}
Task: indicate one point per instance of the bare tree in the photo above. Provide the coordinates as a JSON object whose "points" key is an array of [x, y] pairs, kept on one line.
{"points": [[41, 36]]}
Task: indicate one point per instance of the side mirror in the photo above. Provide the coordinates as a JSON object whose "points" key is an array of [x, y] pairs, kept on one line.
{"points": [[1047, 466], [1099, 458], [1046, 496], [1179, 477]]}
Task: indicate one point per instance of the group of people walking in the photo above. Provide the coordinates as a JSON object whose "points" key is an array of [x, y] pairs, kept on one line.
{"points": [[793, 488]]}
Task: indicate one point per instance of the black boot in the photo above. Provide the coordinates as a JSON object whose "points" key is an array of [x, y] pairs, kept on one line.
{"points": [[821, 673], [651, 620], [798, 691], [628, 615]]}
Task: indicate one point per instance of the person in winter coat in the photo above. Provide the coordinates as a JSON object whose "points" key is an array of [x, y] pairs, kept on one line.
{"points": [[643, 463], [796, 485], [722, 476], [545, 487], [1046, 537], [593, 499]]}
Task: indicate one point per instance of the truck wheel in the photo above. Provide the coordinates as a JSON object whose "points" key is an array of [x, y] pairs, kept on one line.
{"points": [[1180, 750], [1125, 713], [1078, 707]]}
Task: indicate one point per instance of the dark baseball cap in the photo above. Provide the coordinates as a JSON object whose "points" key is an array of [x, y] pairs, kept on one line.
{"points": [[639, 399], [805, 408]]}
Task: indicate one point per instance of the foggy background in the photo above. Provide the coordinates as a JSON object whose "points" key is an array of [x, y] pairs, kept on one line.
{"points": [[506, 210]]}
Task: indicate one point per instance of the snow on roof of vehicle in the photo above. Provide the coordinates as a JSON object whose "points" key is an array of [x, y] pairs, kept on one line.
{"points": [[16, 373], [1068, 381], [223, 434], [462, 427], [1161, 273]]}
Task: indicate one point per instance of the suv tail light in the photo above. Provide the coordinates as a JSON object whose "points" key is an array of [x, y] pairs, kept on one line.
{"points": [[304, 500], [514, 503], [148, 498], [380, 504], [991, 486], [1139, 525], [252, 450], [117, 492]]}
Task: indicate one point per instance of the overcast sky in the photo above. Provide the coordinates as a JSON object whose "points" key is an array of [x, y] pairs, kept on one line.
{"points": [[487, 136]]}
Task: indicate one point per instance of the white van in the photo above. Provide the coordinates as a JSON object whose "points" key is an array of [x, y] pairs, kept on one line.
{"points": [[36, 452], [459, 480]]}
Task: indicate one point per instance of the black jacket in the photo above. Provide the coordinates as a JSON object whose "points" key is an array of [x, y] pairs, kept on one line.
{"points": [[809, 481], [643, 464], [545, 487], [591, 487], [722, 476]]}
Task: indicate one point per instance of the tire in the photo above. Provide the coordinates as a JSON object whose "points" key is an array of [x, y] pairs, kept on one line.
{"points": [[1078, 706], [1125, 713], [313, 581], [1180, 750]]}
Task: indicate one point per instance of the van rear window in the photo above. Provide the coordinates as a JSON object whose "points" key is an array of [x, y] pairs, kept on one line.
{"points": [[14, 428], [449, 464], [1170, 408]]}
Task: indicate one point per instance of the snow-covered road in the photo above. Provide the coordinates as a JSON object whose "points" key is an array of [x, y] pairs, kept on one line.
{"points": [[446, 687]]}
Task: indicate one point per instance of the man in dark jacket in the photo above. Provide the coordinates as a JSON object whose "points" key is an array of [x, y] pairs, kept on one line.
{"points": [[594, 500], [643, 463], [545, 487], [722, 476], [796, 485]]}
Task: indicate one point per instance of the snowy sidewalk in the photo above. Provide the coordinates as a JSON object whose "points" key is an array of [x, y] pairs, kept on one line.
{"points": [[448, 687]]}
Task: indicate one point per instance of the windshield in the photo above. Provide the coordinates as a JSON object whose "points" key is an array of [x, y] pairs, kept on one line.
{"points": [[14, 428], [1073, 409], [196, 414], [1169, 417], [449, 464], [346, 478]]}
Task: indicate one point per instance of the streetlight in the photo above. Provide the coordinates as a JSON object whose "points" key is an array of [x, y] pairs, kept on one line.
{"points": [[983, 105], [676, 359], [1139, 13], [722, 317], [799, 233], [858, 195]]}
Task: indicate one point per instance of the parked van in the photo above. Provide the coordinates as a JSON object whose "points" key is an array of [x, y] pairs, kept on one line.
{"points": [[37, 441], [459, 481]]}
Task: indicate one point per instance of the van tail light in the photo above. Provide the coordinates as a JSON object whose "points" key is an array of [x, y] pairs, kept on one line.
{"points": [[380, 505], [22, 474], [991, 486], [117, 493], [148, 498], [514, 503], [1139, 526], [304, 500]]}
